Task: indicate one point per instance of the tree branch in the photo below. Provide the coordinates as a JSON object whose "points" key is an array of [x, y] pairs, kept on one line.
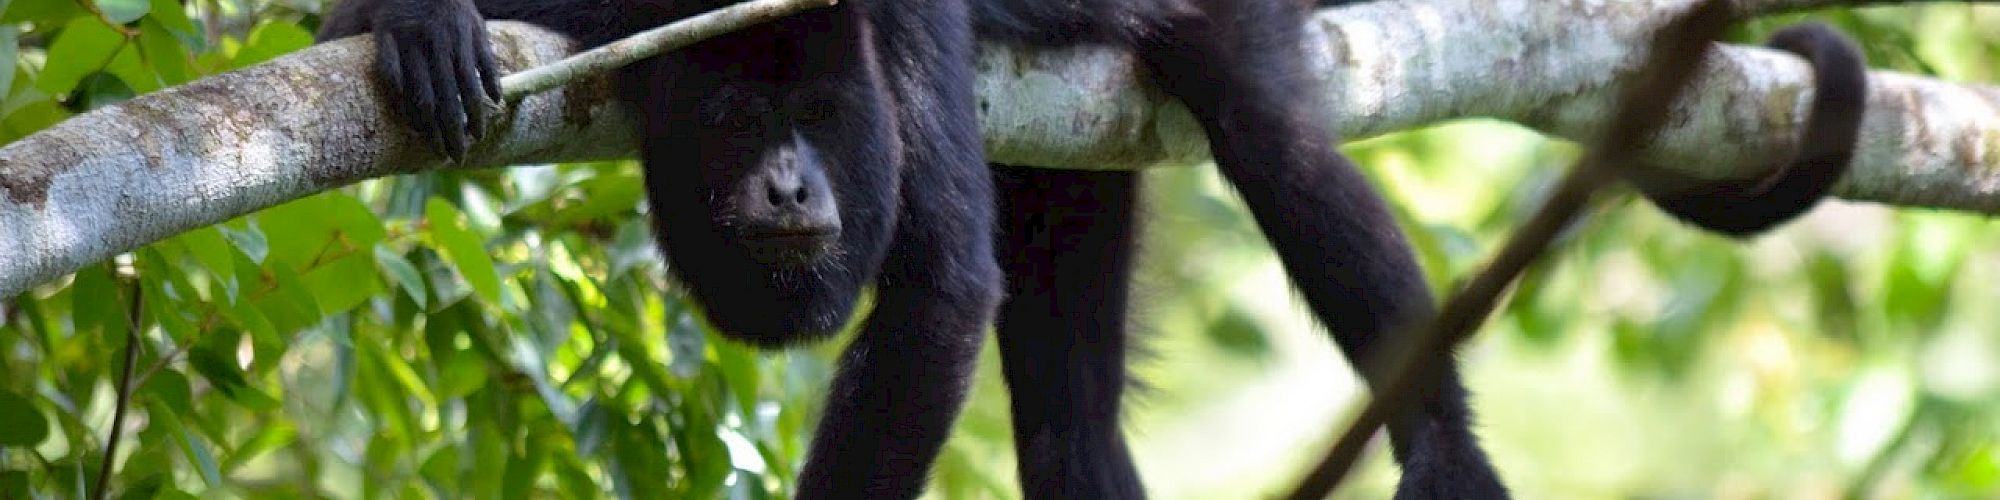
{"points": [[649, 43], [126, 175]]}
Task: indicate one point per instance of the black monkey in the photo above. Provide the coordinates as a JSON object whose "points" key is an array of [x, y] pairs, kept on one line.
{"points": [[787, 166], [792, 163], [865, 110]]}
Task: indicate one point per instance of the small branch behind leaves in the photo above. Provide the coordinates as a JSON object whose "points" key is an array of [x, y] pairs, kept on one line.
{"points": [[1676, 53], [132, 329]]}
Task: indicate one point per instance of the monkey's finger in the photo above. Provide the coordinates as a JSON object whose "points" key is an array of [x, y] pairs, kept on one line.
{"points": [[450, 110], [389, 65], [489, 70], [471, 93], [422, 111]]}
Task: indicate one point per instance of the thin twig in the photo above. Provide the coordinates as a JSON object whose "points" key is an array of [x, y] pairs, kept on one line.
{"points": [[1676, 53], [124, 390], [650, 43]]}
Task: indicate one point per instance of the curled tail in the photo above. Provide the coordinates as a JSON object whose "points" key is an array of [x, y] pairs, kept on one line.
{"points": [[1741, 208]]}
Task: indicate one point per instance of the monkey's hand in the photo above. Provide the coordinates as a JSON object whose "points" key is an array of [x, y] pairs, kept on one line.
{"points": [[434, 55]]}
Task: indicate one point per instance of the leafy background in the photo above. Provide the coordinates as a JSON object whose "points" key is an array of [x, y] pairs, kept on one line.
{"points": [[509, 333]]}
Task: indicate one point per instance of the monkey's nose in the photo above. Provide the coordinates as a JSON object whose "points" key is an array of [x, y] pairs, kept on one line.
{"points": [[791, 209]]}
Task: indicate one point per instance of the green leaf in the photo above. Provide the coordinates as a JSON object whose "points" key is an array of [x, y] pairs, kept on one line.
{"points": [[10, 41], [441, 468], [299, 232], [698, 439], [98, 302], [403, 273], [288, 306], [147, 486], [465, 250], [639, 460], [103, 89], [462, 376], [590, 427], [249, 240], [343, 284], [354, 219], [1235, 332], [518, 480], [170, 14], [13, 483], [270, 40], [447, 288], [130, 66], [166, 294], [246, 316], [269, 437], [29, 111], [223, 374], [169, 388], [123, 11], [163, 52], [739, 372], [209, 247], [173, 494], [43, 11], [21, 424], [191, 446], [84, 45], [604, 197], [401, 372]]}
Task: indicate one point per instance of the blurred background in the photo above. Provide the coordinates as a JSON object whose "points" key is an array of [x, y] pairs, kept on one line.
{"points": [[509, 333]]}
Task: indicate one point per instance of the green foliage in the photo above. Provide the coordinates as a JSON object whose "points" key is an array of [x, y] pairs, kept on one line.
{"points": [[510, 333], [405, 337]]}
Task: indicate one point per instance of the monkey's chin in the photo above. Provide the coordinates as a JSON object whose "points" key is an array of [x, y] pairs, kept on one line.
{"points": [[779, 329], [784, 311]]}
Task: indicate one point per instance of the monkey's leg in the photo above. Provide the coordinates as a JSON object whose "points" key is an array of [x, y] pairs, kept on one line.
{"points": [[1066, 248], [903, 380], [1240, 68]]}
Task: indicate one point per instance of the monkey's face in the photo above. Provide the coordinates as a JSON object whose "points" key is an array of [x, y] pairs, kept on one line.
{"points": [[773, 200]]}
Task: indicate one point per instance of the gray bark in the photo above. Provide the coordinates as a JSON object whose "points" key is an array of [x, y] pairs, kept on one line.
{"points": [[126, 175]]}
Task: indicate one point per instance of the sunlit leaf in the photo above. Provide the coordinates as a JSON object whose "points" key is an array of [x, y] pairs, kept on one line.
{"points": [[271, 39], [172, 15], [343, 283], [162, 50], [42, 11]]}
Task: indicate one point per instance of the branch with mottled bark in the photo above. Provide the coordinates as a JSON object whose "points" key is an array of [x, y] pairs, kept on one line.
{"points": [[126, 175]]}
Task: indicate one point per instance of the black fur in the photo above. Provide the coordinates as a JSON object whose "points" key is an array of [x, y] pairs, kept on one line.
{"points": [[876, 96], [1746, 207]]}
